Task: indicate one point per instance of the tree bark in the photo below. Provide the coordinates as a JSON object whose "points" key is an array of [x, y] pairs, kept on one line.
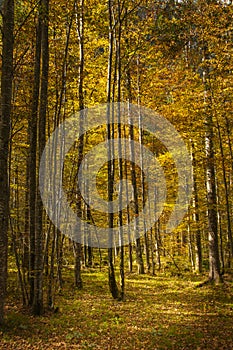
{"points": [[32, 164], [80, 31], [227, 196], [198, 246], [39, 237], [214, 262], [110, 129], [5, 120], [120, 163]]}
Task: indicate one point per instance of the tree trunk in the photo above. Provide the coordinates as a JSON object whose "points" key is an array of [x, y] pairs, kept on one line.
{"points": [[80, 31], [120, 162], [140, 262], [33, 160], [38, 280], [146, 240], [6, 96], [227, 196], [198, 247], [214, 262], [110, 129]]}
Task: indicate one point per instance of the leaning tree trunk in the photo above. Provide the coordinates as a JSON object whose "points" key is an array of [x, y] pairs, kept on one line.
{"points": [[6, 95]]}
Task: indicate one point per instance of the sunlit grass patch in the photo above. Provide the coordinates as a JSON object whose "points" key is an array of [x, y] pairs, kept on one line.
{"points": [[159, 312]]}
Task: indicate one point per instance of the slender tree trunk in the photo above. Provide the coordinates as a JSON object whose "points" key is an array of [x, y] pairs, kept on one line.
{"points": [[158, 245], [222, 260], [6, 96], [59, 256], [110, 129], [229, 141], [80, 31], [77, 265], [214, 262], [120, 162], [38, 280], [146, 239], [15, 233], [33, 160], [25, 257], [227, 196], [190, 246], [140, 262], [198, 246], [130, 247], [129, 96], [48, 263], [88, 218]]}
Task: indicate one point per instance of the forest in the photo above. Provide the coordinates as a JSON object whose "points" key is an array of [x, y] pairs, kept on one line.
{"points": [[116, 174]]}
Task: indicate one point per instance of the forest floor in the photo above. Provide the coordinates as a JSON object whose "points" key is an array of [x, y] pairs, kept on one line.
{"points": [[160, 312]]}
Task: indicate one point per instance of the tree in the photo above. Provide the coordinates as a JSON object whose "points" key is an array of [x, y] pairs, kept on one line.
{"points": [[39, 232], [32, 164], [111, 165], [80, 32], [5, 121], [214, 262]]}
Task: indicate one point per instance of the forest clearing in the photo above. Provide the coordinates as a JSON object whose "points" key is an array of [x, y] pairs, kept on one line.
{"points": [[160, 312]]}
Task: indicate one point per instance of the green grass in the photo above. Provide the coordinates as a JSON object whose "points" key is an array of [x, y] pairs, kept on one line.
{"points": [[159, 313]]}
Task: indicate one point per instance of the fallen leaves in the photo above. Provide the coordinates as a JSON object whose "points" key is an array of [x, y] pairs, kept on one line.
{"points": [[159, 313]]}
